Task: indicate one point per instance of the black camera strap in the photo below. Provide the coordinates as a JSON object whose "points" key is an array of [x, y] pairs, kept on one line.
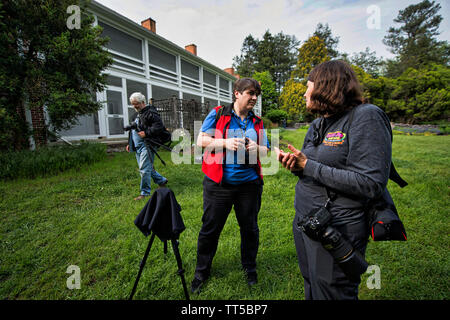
{"points": [[331, 197]]}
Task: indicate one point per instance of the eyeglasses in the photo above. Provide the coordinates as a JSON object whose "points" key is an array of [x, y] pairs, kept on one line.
{"points": [[252, 93]]}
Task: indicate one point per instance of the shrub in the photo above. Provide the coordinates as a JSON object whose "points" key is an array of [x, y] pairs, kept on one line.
{"points": [[49, 160], [277, 115], [267, 123]]}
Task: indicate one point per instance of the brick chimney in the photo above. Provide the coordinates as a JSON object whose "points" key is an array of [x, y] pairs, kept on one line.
{"points": [[192, 48], [149, 24], [231, 71]]}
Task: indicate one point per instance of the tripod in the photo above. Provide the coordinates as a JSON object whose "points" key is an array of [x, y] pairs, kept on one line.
{"points": [[179, 263]]}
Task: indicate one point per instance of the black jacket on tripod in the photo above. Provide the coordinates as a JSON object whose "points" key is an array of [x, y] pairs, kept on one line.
{"points": [[161, 215]]}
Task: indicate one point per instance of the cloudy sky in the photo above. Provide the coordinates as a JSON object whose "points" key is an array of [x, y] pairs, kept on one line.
{"points": [[218, 27]]}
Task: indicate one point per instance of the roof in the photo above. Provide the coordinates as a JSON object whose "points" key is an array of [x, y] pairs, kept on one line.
{"points": [[111, 14]]}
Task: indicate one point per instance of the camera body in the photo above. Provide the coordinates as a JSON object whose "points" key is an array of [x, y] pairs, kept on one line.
{"points": [[131, 126], [317, 227]]}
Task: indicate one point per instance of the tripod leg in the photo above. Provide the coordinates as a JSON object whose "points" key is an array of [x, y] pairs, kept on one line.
{"points": [[165, 246], [180, 266], [143, 261]]}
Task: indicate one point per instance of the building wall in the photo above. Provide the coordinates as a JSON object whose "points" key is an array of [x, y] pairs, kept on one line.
{"points": [[150, 64]]}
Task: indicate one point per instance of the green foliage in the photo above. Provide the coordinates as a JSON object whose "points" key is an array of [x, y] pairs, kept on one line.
{"points": [[267, 123], [414, 42], [311, 53], [277, 115], [269, 93], [49, 160], [53, 65], [292, 100], [245, 63], [273, 53], [323, 31], [416, 96], [368, 61]]}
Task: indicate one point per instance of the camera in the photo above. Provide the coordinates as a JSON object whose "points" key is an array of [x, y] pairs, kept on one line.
{"points": [[248, 161], [317, 227], [131, 126]]}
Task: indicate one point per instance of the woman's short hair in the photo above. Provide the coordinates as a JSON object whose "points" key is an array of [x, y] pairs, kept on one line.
{"points": [[138, 97], [244, 84], [336, 88]]}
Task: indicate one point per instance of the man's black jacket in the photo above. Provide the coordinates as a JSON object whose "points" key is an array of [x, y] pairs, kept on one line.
{"points": [[150, 122], [161, 215]]}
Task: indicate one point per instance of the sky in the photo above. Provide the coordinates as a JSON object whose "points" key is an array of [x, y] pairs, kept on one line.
{"points": [[219, 27]]}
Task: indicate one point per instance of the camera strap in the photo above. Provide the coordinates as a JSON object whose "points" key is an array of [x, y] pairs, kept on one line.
{"points": [[331, 197]]}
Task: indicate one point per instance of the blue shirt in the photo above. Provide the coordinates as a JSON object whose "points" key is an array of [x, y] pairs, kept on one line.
{"points": [[234, 170]]}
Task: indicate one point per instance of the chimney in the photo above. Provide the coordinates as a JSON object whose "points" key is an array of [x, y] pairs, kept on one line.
{"points": [[149, 24], [192, 48], [231, 71]]}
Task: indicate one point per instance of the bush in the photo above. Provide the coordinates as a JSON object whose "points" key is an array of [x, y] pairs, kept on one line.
{"points": [[267, 123], [49, 160], [277, 115]]}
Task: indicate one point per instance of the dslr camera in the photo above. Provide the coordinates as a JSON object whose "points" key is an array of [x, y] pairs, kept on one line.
{"points": [[317, 227], [131, 126]]}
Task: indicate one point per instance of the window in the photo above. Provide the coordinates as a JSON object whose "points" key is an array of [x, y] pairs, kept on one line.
{"points": [[163, 93], [223, 84], [114, 81], [134, 86], [114, 101], [188, 96], [161, 58], [189, 70], [87, 125], [209, 78], [122, 42]]}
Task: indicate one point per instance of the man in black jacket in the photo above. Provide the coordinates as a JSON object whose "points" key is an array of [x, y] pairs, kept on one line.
{"points": [[147, 126]]}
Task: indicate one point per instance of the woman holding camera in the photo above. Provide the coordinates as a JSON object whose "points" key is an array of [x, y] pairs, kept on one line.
{"points": [[344, 162]]}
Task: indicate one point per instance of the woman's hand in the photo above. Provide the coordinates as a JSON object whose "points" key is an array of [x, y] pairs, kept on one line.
{"points": [[252, 146], [294, 161], [234, 144]]}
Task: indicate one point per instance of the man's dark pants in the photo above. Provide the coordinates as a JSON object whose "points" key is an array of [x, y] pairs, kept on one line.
{"points": [[217, 203]]}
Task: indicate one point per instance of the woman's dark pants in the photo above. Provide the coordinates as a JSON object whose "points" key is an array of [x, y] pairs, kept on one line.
{"points": [[323, 278], [217, 203]]}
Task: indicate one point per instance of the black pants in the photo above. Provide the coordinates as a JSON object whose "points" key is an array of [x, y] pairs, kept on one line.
{"points": [[217, 203], [323, 278]]}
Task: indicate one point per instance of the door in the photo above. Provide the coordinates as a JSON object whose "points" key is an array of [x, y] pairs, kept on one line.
{"points": [[115, 114]]}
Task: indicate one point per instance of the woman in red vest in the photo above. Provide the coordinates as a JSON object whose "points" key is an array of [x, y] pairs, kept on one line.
{"points": [[233, 137]]}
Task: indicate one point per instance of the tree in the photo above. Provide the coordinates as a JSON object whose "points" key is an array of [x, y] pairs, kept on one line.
{"points": [[269, 93], [368, 61], [324, 32], [245, 63], [14, 131], [417, 95], [57, 64], [311, 53], [273, 53], [414, 42]]}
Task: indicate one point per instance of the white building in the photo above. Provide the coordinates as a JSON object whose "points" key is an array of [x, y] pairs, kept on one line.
{"points": [[148, 63]]}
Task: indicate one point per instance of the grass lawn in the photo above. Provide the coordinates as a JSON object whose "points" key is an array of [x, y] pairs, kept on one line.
{"points": [[85, 217]]}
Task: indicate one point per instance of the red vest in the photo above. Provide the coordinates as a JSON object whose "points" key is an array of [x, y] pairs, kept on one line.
{"points": [[212, 161]]}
